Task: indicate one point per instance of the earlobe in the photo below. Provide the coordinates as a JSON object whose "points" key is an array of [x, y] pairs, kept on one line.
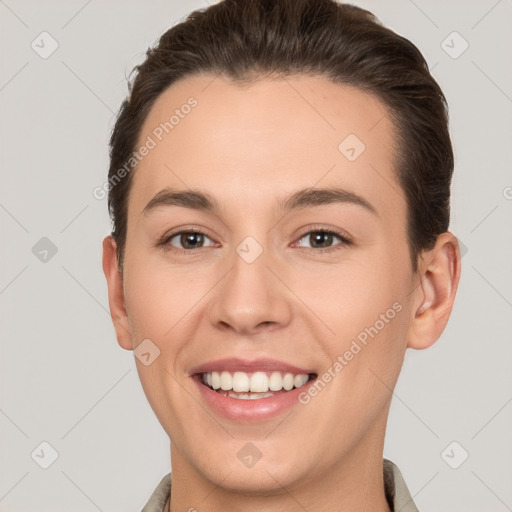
{"points": [[116, 298], [435, 293]]}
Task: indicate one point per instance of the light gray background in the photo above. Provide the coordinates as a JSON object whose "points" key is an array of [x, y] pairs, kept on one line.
{"points": [[65, 380]]}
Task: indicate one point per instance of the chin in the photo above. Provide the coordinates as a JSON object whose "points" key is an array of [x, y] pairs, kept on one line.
{"points": [[263, 480]]}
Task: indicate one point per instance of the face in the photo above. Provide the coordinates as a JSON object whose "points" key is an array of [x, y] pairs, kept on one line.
{"points": [[286, 273]]}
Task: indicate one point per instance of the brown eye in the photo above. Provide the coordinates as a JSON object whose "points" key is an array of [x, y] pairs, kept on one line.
{"points": [[188, 240], [323, 239], [320, 239]]}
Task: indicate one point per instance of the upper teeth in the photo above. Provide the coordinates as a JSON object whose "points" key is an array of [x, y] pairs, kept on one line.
{"points": [[257, 382]]}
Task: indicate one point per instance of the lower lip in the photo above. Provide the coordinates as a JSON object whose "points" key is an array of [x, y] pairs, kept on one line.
{"points": [[249, 411]]}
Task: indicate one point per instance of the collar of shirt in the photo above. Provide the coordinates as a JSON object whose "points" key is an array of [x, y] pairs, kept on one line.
{"points": [[397, 493]]}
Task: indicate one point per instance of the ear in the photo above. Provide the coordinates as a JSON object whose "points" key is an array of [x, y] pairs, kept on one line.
{"points": [[434, 295], [116, 294]]}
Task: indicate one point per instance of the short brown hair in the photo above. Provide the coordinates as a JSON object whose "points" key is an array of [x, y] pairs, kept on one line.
{"points": [[250, 39]]}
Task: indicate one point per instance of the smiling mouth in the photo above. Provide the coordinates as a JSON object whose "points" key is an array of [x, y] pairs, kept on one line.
{"points": [[255, 385]]}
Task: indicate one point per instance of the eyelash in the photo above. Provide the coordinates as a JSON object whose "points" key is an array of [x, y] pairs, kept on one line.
{"points": [[344, 240]]}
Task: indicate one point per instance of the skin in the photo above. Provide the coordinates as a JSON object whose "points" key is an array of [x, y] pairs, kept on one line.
{"points": [[249, 146]]}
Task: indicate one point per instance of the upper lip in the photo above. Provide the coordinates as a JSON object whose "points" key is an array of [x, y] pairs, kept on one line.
{"points": [[234, 364]]}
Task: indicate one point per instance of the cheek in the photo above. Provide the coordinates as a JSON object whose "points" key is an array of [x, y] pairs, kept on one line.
{"points": [[160, 304], [159, 297], [362, 312], [364, 356], [350, 296]]}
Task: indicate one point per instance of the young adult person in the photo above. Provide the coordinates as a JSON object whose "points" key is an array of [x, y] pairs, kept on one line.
{"points": [[279, 188]]}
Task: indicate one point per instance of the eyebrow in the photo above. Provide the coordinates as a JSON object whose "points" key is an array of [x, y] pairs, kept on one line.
{"points": [[305, 198]]}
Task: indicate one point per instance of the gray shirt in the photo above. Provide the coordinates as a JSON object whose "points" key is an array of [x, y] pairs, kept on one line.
{"points": [[397, 494]]}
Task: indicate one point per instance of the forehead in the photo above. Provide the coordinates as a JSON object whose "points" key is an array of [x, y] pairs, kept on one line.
{"points": [[245, 143]]}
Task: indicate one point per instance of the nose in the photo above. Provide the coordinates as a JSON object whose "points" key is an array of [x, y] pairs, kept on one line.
{"points": [[250, 298]]}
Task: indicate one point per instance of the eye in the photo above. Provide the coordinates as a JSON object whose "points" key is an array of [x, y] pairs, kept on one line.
{"points": [[187, 240], [323, 239]]}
